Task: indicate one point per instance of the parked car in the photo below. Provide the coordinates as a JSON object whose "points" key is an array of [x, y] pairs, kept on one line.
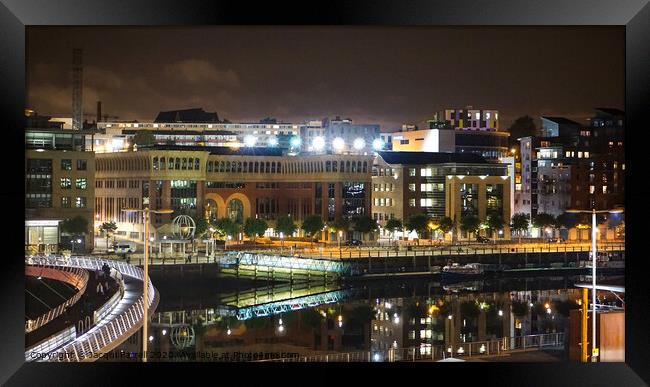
{"points": [[123, 248], [482, 239], [353, 242]]}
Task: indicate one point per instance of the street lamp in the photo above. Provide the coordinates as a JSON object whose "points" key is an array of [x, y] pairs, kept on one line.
{"points": [[594, 227], [145, 288], [281, 242], [340, 236]]}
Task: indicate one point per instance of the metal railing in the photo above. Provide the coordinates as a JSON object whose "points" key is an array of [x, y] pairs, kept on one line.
{"points": [[80, 282], [438, 352], [109, 332]]}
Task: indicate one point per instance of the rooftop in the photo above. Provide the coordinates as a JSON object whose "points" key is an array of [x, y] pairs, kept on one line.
{"points": [[421, 158], [560, 120], [187, 115], [609, 112], [218, 150]]}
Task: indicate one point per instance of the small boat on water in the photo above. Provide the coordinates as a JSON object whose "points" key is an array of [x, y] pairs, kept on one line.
{"points": [[456, 271]]}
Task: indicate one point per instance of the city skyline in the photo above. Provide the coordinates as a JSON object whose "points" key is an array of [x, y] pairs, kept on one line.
{"points": [[388, 75]]}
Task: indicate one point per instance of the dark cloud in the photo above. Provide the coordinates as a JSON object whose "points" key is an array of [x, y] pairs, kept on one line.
{"points": [[385, 75]]}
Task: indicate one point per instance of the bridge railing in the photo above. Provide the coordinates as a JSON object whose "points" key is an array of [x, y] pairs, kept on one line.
{"points": [[109, 331], [437, 352], [81, 281]]}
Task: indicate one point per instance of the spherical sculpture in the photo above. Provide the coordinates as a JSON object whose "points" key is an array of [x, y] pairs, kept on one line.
{"points": [[182, 336], [183, 227]]}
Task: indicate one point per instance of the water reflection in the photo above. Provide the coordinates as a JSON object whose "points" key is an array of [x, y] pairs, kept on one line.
{"points": [[308, 319]]}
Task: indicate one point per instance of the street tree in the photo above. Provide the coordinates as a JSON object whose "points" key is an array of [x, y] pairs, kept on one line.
{"points": [[312, 226], [393, 225], [254, 227], [469, 223], [418, 223], [340, 225], [446, 224], [285, 225], [543, 220], [519, 223], [495, 222], [365, 225], [226, 226], [108, 228]]}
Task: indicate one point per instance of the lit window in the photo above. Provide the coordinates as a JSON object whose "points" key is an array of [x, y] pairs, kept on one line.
{"points": [[579, 155], [81, 183], [592, 189], [80, 202], [586, 155], [425, 172], [66, 183], [411, 171], [65, 202], [412, 187], [604, 189], [567, 154], [412, 202], [426, 202]]}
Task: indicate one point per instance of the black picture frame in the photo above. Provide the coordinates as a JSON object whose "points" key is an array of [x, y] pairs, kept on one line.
{"points": [[15, 15]]}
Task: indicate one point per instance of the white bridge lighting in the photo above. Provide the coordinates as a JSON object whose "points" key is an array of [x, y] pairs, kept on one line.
{"points": [[338, 144], [250, 141], [378, 144], [318, 143]]}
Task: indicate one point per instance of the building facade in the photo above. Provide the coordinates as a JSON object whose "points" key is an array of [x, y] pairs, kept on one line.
{"points": [[59, 185], [222, 182], [439, 185]]}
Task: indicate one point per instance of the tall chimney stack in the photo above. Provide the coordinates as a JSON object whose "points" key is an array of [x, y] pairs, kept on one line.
{"points": [[77, 89], [99, 111]]}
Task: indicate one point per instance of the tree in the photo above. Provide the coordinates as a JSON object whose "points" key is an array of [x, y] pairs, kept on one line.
{"points": [[255, 227], [393, 225], [340, 225], [519, 223], [312, 225], [446, 224], [543, 220], [522, 127], [519, 308], [469, 223], [285, 225], [365, 224], [144, 138], [495, 221], [108, 228], [75, 226], [226, 226], [418, 223], [566, 220], [202, 226]]}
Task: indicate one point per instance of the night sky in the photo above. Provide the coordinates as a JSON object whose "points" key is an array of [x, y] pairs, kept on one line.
{"points": [[385, 75]]}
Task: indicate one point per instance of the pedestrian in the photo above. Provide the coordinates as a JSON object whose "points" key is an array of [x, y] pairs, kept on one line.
{"points": [[100, 288]]}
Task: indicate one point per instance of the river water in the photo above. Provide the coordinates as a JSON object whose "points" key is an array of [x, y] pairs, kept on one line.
{"points": [[207, 318]]}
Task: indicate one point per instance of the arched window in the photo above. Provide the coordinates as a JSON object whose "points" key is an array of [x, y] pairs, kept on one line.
{"points": [[279, 167], [178, 164], [267, 167], [235, 210], [222, 166], [184, 166], [211, 210], [245, 167], [256, 167], [163, 165], [365, 167], [209, 168], [328, 166], [197, 165], [170, 163], [190, 163], [334, 166], [347, 166], [227, 166], [238, 166], [273, 167]]}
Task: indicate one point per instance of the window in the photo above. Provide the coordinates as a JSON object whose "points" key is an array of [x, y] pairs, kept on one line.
{"points": [[66, 183], [426, 202], [65, 202], [66, 165], [412, 187], [579, 155], [412, 202], [81, 183], [411, 171], [81, 165], [428, 187], [604, 189], [80, 202], [592, 189], [425, 172]]}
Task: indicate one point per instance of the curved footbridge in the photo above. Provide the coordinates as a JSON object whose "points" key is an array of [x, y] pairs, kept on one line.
{"points": [[118, 319]]}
